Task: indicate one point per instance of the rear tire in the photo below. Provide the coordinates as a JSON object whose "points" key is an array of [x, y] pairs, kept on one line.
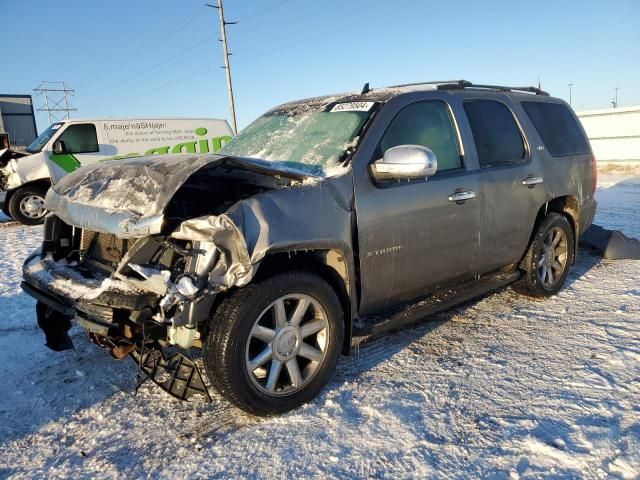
{"points": [[26, 205], [273, 345], [549, 258]]}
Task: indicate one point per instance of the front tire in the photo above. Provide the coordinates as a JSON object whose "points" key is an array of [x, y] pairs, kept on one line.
{"points": [[26, 205], [273, 345], [549, 258]]}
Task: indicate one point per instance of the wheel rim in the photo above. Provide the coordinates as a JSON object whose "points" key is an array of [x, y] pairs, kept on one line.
{"points": [[287, 345], [552, 260], [32, 206]]}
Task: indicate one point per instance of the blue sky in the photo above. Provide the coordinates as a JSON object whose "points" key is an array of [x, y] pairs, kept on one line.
{"points": [[162, 57]]}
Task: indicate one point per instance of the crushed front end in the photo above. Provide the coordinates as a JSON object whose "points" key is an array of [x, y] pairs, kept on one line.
{"points": [[134, 296]]}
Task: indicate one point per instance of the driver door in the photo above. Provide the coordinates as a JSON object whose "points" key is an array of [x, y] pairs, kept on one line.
{"points": [[81, 147], [413, 237]]}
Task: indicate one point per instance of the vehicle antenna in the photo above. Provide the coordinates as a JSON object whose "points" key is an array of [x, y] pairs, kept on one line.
{"points": [[365, 89]]}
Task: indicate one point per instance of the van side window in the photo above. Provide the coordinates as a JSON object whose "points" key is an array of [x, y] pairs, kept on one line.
{"points": [[496, 135], [80, 138], [557, 127], [427, 124]]}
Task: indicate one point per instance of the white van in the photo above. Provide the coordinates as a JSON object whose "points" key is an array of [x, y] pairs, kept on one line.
{"points": [[70, 144]]}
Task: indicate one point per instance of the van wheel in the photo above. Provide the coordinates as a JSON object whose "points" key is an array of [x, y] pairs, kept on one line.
{"points": [[273, 345], [27, 205], [548, 259]]}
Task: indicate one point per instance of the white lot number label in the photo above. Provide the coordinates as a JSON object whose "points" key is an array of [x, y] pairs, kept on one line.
{"points": [[352, 107]]}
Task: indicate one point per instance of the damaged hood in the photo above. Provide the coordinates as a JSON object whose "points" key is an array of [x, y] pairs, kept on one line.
{"points": [[128, 197]]}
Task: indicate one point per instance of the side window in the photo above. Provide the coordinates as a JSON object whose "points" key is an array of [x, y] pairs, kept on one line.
{"points": [[558, 128], [428, 124], [495, 132], [80, 138]]}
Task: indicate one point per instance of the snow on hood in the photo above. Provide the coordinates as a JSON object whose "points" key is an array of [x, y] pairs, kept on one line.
{"points": [[128, 197]]}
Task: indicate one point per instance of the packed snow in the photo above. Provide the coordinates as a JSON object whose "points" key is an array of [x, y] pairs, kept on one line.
{"points": [[503, 387]]}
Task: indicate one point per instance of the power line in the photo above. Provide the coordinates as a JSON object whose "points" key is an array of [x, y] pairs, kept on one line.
{"points": [[291, 45], [143, 47], [164, 62], [260, 12]]}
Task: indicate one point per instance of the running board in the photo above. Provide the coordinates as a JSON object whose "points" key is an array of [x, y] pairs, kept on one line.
{"points": [[435, 303], [176, 374]]}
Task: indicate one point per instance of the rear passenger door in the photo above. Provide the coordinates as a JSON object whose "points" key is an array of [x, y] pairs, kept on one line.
{"points": [[511, 181]]}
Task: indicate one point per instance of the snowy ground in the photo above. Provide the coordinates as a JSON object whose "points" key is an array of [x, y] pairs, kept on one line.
{"points": [[505, 387]]}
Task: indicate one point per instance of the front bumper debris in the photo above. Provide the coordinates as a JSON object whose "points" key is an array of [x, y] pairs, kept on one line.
{"points": [[62, 296], [176, 374], [100, 306]]}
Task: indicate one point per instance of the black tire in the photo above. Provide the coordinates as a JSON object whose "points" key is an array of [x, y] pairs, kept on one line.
{"points": [[18, 197], [532, 283], [226, 348]]}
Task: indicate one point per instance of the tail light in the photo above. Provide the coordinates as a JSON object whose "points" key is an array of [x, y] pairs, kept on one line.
{"points": [[594, 173]]}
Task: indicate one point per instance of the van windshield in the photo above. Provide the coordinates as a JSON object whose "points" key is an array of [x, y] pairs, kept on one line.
{"points": [[314, 134], [39, 143]]}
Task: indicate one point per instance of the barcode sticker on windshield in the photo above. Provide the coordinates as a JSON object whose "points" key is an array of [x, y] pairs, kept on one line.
{"points": [[352, 107]]}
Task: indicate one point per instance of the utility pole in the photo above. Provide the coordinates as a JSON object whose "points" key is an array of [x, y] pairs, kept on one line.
{"points": [[225, 52], [55, 94], [570, 85], [616, 105]]}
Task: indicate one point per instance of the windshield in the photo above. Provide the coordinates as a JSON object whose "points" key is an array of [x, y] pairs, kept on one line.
{"points": [[39, 143], [304, 134]]}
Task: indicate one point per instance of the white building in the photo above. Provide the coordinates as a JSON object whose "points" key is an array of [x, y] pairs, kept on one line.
{"points": [[614, 133]]}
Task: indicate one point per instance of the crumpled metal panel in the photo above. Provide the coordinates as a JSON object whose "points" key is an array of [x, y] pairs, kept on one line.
{"points": [[233, 266], [127, 197], [316, 215], [123, 197]]}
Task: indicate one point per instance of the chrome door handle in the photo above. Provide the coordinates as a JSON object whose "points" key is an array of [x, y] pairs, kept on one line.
{"points": [[532, 181], [460, 197]]}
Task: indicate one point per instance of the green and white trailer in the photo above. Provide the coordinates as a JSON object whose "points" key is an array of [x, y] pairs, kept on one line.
{"points": [[70, 144]]}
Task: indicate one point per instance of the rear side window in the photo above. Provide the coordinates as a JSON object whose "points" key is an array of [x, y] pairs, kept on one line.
{"points": [[495, 132], [558, 128], [80, 138]]}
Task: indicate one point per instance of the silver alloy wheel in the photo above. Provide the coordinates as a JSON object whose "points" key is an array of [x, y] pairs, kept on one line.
{"points": [[32, 206], [287, 345], [553, 257]]}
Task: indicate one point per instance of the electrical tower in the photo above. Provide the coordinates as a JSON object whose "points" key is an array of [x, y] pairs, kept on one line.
{"points": [[225, 52], [56, 100]]}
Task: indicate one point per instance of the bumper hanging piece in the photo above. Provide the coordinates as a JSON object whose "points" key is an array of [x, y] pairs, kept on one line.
{"points": [[55, 326], [175, 374]]}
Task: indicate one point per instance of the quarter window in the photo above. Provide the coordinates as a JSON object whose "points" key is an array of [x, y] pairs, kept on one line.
{"points": [[427, 124], [557, 127], [496, 135], [80, 138]]}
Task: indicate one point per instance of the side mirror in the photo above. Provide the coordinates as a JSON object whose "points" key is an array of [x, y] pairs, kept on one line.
{"points": [[58, 147], [406, 162]]}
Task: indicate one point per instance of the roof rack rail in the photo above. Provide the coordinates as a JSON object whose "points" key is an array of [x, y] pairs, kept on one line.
{"points": [[437, 82], [462, 84]]}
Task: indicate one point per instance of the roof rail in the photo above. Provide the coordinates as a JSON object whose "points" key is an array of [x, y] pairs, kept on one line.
{"points": [[462, 84], [438, 82]]}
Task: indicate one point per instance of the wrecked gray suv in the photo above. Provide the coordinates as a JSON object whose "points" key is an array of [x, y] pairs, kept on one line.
{"points": [[322, 221]]}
